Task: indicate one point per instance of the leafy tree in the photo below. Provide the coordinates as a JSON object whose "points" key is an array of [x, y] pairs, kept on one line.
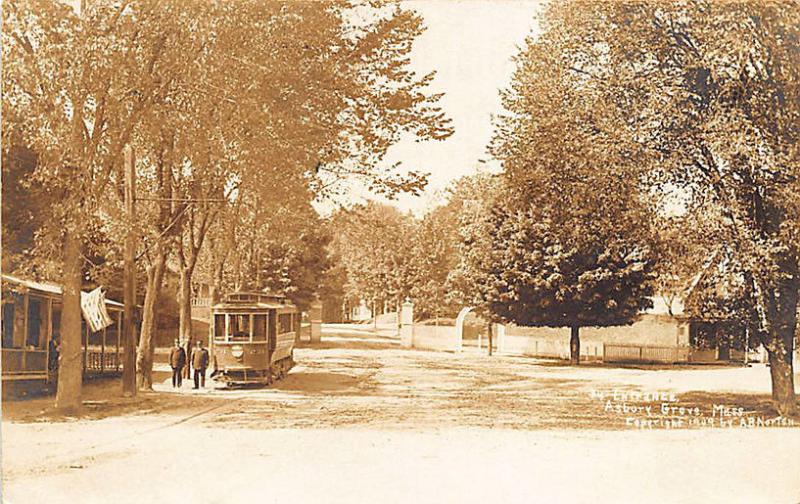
{"points": [[296, 267], [433, 257], [680, 255], [472, 199], [221, 101], [539, 277], [570, 238], [716, 107], [319, 95], [23, 207], [82, 83], [372, 242]]}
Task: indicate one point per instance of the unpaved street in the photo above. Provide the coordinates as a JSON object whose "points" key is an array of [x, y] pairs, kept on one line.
{"points": [[362, 420]]}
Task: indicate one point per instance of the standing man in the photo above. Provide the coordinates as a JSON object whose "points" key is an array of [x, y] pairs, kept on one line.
{"points": [[52, 358], [177, 359], [200, 363]]}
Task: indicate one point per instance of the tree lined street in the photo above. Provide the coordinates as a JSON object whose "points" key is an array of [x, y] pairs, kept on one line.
{"points": [[232, 174], [246, 113]]}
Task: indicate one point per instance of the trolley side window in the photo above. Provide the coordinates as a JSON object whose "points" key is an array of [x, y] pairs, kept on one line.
{"points": [[273, 326], [259, 327], [284, 323], [219, 327]]}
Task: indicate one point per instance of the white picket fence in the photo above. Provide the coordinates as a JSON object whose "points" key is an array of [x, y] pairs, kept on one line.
{"points": [[431, 337]]}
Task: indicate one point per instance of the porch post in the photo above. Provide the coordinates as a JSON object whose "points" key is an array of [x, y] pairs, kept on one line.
{"points": [[119, 334], [103, 352], [25, 315], [85, 347], [24, 345], [48, 337]]}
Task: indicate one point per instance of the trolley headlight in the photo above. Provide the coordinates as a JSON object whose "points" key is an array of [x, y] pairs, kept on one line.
{"points": [[237, 351]]}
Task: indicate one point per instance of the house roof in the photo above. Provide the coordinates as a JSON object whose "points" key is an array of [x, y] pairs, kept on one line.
{"points": [[701, 274], [47, 287], [50, 288]]}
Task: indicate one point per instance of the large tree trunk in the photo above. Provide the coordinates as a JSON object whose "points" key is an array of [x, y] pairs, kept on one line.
{"points": [[780, 348], [491, 342], [723, 348], [574, 346], [216, 284], [781, 313], [783, 393], [146, 349], [70, 366]]}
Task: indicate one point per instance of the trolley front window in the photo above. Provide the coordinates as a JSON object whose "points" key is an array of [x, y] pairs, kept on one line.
{"points": [[241, 327], [238, 327]]}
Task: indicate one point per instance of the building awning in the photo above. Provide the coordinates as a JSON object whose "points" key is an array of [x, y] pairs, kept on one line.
{"points": [[49, 288]]}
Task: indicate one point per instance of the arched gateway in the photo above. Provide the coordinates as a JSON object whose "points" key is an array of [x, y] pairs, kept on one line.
{"points": [[499, 331], [460, 327]]}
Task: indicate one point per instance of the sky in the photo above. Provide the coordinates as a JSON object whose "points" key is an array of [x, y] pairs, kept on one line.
{"points": [[470, 44]]}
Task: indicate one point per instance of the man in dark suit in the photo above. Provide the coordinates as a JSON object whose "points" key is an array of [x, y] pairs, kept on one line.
{"points": [[199, 363], [177, 359], [54, 349]]}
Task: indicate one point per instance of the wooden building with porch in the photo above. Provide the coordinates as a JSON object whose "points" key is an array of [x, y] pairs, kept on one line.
{"points": [[31, 318]]}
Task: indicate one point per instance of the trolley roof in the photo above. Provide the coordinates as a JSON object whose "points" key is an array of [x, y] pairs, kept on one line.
{"points": [[243, 300]]}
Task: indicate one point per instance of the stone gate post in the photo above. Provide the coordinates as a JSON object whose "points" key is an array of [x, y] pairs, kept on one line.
{"points": [[407, 324], [500, 332]]}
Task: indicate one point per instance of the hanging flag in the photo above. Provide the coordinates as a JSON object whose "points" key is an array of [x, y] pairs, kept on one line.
{"points": [[93, 306]]}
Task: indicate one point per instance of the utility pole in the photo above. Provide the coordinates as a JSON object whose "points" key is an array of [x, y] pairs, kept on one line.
{"points": [[129, 294]]}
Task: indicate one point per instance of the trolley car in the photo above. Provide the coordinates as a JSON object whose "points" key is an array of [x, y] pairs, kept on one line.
{"points": [[253, 338]]}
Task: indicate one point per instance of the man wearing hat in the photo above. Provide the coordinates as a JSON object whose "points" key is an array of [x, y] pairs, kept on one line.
{"points": [[177, 359], [199, 363]]}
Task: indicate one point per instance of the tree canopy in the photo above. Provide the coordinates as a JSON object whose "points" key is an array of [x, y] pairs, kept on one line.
{"points": [[246, 110]]}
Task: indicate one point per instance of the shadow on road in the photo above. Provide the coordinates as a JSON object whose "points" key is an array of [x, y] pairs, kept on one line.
{"points": [[351, 344], [353, 338], [318, 383]]}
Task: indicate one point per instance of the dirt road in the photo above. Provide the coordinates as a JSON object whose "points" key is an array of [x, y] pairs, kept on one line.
{"points": [[362, 420]]}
